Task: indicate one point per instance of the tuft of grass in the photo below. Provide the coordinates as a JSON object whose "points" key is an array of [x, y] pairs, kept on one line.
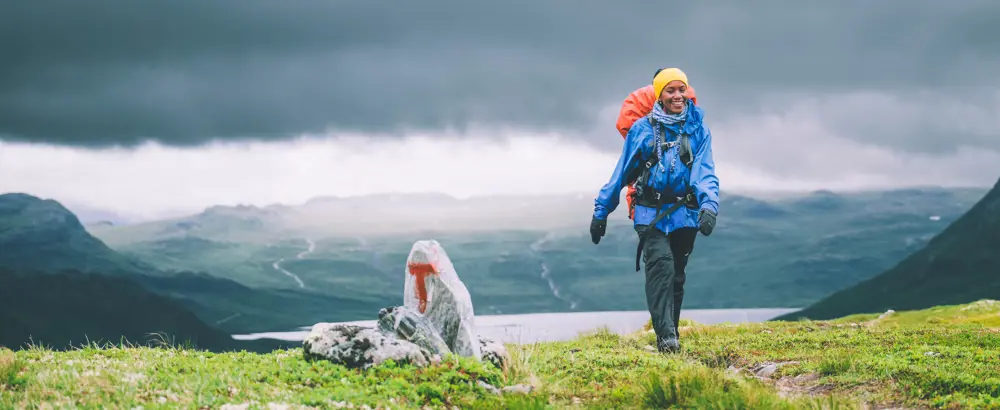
{"points": [[837, 362], [681, 323], [12, 371], [702, 388]]}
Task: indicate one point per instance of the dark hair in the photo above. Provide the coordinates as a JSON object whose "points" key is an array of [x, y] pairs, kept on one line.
{"points": [[657, 72]]}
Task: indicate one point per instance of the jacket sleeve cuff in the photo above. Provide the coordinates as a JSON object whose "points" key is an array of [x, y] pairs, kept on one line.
{"points": [[600, 213], [711, 206]]}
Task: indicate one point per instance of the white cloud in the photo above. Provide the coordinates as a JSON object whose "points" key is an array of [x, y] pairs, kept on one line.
{"points": [[153, 178], [789, 151]]}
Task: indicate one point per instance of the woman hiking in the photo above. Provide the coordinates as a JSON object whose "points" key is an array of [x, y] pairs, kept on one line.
{"points": [[668, 154]]}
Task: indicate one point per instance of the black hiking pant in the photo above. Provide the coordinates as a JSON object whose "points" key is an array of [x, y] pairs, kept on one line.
{"points": [[665, 258]]}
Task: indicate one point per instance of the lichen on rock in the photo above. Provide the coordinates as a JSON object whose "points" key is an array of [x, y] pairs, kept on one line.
{"points": [[360, 347]]}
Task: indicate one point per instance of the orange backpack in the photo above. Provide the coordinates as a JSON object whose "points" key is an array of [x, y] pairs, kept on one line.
{"points": [[637, 105]]}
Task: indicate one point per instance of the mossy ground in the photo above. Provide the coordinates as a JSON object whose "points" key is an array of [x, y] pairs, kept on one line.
{"points": [[946, 357]]}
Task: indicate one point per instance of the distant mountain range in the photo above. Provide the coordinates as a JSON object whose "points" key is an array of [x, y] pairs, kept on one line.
{"points": [[250, 269], [520, 254], [959, 265]]}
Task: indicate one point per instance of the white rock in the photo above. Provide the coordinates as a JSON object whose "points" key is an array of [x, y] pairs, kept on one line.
{"points": [[494, 352], [432, 287], [358, 347]]}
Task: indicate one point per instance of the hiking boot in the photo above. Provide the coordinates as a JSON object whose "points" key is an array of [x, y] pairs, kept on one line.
{"points": [[668, 345]]}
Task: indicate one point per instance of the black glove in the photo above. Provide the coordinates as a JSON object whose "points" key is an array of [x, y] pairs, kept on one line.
{"points": [[706, 221], [597, 228]]}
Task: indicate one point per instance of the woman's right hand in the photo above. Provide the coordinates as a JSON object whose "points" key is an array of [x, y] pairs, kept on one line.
{"points": [[597, 229]]}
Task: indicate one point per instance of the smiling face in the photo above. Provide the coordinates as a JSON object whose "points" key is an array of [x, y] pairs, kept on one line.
{"points": [[674, 96]]}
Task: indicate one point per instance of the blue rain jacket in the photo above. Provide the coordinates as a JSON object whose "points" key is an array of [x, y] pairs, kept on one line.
{"points": [[670, 176]]}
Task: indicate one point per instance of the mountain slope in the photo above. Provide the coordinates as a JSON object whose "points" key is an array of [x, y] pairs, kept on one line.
{"points": [[42, 235], [959, 265]]}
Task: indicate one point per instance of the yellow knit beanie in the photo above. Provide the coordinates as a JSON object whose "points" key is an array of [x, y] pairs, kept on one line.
{"points": [[665, 76]]}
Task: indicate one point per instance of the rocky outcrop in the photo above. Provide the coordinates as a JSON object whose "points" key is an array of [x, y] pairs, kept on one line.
{"points": [[433, 289], [435, 320], [359, 347]]}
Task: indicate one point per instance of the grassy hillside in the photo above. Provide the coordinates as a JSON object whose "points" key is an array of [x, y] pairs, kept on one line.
{"points": [[71, 308], [783, 252], [960, 264], [947, 357]]}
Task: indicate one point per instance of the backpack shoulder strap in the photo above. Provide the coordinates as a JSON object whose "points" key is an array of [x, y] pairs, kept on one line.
{"points": [[687, 156]]}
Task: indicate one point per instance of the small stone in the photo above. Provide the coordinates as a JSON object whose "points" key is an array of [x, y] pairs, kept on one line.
{"points": [[494, 352], [767, 370], [518, 389], [488, 387]]}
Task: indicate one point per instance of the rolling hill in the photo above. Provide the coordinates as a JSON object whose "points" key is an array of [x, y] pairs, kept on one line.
{"points": [[59, 281], [959, 265]]}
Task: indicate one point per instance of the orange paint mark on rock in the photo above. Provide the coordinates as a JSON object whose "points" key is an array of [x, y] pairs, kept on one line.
{"points": [[420, 271]]}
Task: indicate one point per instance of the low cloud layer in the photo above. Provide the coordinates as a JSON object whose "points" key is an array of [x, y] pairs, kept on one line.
{"points": [[186, 72], [787, 151]]}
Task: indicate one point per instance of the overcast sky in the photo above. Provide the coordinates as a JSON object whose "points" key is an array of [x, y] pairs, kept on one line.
{"points": [[147, 107]]}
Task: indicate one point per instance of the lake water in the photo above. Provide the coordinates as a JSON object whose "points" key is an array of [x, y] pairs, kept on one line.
{"points": [[542, 327]]}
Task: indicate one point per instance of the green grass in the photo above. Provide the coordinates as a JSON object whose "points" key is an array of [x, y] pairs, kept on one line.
{"points": [[946, 357]]}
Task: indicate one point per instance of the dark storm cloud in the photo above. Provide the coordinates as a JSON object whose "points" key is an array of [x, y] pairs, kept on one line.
{"points": [[186, 71]]}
